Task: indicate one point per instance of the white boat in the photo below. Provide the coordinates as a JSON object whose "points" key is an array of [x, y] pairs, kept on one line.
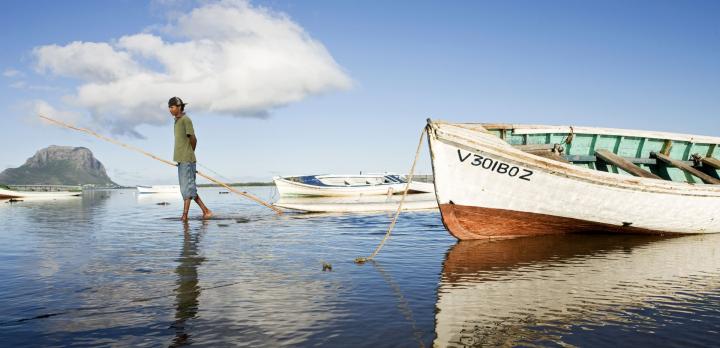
{"points": [[500, 180], [6, 193], [347, 185], [159, 189], [356, 204]]}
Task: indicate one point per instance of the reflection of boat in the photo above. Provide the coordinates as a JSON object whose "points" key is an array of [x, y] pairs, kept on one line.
{"points": [[158, 189], [518, 291], [473, 256], [347, 185], [357, 204], [514, 180], [7, 193], [158, 198]]}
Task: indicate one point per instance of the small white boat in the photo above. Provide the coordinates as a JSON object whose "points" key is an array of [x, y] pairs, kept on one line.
{"points": [[6, 193], [158, 189], [357, 204], [347, 185]]}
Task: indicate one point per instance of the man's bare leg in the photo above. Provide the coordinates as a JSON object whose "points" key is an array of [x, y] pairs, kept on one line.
{"points": [[206, 212], [186, 208]]}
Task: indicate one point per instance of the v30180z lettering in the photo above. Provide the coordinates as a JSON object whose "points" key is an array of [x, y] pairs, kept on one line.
{"points": [[495, 166]]}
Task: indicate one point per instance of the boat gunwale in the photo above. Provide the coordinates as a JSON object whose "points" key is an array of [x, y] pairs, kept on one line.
{"points": [[10, 194], [336, 186], [368, 175], [522, 129]]}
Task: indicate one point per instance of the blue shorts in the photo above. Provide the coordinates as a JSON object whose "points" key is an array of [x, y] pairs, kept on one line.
{"points": [[186, 175]]}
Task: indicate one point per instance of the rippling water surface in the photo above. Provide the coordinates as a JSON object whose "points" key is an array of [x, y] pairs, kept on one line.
{"points": [[115, 268]]}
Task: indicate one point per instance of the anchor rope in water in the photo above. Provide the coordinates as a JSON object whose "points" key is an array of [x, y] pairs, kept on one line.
{"points": [[402, 200], [133, 148]]}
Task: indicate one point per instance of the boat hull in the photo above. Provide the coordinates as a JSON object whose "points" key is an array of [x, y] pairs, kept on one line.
{"points": [[468, 222], [424, 201], [486, 189], [290, 188], [9, 194]]}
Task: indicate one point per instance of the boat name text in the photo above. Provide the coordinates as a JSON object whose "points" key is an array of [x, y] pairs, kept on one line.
{"points": [[496, 166]]}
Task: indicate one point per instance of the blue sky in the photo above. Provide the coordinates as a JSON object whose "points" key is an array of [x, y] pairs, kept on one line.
{"points": [[626, 64]]}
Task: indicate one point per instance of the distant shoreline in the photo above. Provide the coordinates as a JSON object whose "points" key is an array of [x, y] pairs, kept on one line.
{"points": [[234, 184], [239, 184]]}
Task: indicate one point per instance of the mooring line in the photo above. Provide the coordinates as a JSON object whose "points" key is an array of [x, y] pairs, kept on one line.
{"points": [[403, 303], [220, 176], [402, 200], [133, 148]]}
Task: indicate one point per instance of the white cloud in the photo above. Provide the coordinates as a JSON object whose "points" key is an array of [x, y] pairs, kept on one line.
{"points": [[229, 58], [24, 85], [89, 61], [41, 107], [10, 73]]}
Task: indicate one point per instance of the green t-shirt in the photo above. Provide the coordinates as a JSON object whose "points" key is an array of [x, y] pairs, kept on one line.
{"points": [[183, 150]]}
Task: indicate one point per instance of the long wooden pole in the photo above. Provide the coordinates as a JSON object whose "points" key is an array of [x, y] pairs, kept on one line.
{"points": [[133, 148]]}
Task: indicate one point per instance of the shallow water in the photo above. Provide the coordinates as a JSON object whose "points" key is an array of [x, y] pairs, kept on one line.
{"points": [[115, 268]]}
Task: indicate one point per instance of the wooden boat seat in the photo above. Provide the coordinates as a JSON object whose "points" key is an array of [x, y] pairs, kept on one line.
{"points": [[622, 163], [686, 168], [711, 162], [550, 151]]}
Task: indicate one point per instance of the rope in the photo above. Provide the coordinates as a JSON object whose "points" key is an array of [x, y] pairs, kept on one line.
{"points": [[224, 179], [403, 303], [132, 148], [402, 200]]}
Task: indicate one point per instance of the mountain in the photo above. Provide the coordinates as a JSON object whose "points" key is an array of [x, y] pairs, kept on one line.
{"points": [[59, 165]]}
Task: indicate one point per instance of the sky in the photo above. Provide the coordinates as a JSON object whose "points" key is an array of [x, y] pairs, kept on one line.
{"points": [[311, 87]]}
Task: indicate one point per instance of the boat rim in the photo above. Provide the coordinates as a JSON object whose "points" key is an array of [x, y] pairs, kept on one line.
{"points": [[280, 178], [522, 129]]}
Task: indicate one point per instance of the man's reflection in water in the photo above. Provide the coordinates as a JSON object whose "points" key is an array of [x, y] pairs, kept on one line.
{"points": [[187, 290]]}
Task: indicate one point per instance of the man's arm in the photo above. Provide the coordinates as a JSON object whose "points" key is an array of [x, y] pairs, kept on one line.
{"points": [[193, 141]]}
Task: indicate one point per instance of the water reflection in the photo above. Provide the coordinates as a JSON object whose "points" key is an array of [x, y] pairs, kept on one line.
{"points": [[535, 290], [115, 271], [363, 203], [51, 212], [187, 290], [403, 304], [155, 198]]}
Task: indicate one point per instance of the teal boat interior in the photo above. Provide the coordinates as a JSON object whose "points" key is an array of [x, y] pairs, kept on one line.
{"points": [[666, 156]]}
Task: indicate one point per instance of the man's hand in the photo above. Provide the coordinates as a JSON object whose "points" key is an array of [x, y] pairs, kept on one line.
{"points": [[193, 141]]}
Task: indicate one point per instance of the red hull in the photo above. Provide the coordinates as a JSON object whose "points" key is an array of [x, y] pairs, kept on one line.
{"points": [[468, 222]]}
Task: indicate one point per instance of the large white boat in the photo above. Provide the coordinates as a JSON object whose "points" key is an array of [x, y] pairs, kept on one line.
{"points": [[347, 185], [502, 180], [9, 193], [159, 189]]}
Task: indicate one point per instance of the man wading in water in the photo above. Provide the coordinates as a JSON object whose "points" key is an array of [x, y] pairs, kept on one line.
{"points": [[184, 155]]}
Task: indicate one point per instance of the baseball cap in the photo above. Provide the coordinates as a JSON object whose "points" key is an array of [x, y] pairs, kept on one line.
{"points": [[175, 101]]}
